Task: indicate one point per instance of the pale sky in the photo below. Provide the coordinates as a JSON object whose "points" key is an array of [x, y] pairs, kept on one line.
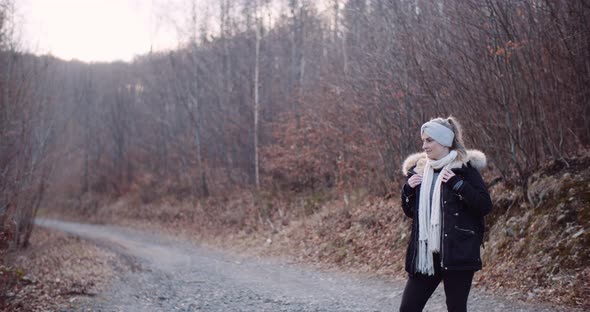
{"points": [[109, 30], [97, 30]]}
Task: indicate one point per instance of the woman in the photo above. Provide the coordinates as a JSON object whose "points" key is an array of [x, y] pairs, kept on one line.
{"points": [[447, 199]]}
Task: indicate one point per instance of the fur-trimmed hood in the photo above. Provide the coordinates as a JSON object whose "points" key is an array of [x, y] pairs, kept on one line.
{"points": [[477, 159]]}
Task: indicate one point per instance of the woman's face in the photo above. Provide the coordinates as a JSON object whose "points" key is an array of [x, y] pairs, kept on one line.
{"points": [[433, 149]]}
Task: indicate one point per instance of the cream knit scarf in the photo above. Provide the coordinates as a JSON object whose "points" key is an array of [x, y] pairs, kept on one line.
{"points": [[429, 218]]}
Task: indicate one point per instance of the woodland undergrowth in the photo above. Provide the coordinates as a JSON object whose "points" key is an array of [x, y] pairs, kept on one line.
{"points": [[535, 244]]}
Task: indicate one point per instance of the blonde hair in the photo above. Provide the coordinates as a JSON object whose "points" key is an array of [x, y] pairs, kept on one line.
{"points": [[453, 124]]}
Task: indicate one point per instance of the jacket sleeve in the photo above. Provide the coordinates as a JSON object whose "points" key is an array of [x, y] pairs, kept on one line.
{"points": [[475, 192], [409, 197]]}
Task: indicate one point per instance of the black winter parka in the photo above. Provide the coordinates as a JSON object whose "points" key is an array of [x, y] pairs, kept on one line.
{"points": [[463, 213]]}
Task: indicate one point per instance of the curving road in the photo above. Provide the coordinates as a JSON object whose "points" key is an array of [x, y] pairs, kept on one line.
{"points": [[181, 276]]}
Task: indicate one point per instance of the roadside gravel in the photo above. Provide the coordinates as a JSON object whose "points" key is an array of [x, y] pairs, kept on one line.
{"points": [[173, 275]]}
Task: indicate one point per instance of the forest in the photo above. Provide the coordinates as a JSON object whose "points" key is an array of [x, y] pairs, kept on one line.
{"points": [[288, 99]]}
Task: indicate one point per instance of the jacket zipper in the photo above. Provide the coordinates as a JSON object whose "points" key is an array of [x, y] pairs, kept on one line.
{"points": [[465, 230], [415, 230], [442, 228]]}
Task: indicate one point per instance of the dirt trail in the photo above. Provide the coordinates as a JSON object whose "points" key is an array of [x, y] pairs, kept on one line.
{"points": [[181, 276]]}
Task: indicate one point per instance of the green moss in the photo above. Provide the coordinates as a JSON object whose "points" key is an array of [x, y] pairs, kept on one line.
{"points": [[20, 272], [313, 202], [340, 254]]}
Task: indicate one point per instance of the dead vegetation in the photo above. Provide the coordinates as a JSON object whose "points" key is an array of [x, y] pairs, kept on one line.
{"points": [[535, 250], [54, 272], [538, 249]]}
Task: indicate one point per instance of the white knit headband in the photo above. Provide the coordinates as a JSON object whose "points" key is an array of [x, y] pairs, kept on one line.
{"points": [[439, 133]]}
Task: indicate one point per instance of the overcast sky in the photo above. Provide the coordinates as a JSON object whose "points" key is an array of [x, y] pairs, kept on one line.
{"points": [[108, 30], [97, 30]]}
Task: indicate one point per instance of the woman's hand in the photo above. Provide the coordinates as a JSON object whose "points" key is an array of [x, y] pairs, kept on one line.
{"points": [[452, 179], [447, 175], [414, 180]]}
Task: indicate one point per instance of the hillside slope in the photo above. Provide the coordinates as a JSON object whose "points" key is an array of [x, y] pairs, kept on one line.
{"points": [[536, 246]]}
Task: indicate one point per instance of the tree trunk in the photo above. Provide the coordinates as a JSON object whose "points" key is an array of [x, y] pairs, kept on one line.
{"points": [[256, 99]]}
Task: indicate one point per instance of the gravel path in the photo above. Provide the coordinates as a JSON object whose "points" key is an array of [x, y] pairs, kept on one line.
{"points": [[180, 276]]}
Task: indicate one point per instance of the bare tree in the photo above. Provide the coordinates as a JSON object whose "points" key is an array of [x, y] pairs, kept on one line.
{"points": [[258, 22]]}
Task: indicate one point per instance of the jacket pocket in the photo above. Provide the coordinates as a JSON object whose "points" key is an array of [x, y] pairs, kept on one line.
{"points": [[464, 247], [465, 231]]}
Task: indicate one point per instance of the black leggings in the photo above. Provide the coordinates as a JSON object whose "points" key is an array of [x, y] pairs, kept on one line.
{"points": [[420, 287]]}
